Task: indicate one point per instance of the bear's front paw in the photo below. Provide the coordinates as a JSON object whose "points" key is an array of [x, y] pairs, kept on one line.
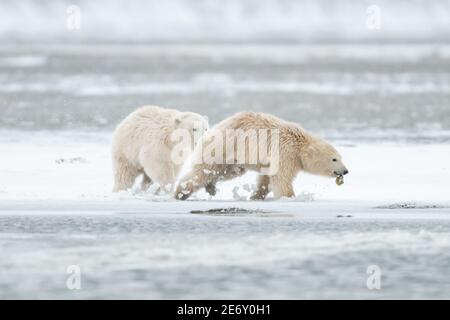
{"points": [[258, 196], [179, 195]]}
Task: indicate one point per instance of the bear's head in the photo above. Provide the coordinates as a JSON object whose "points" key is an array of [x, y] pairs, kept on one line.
{"points": [[321, 158], [188, 130], [192, 122]]}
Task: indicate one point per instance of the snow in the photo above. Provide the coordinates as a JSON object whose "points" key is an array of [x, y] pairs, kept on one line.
{"points": [[57, 210], [76, 167]]}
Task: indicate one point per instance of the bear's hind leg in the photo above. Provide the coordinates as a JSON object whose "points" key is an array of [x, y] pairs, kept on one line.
{"points": [[262, 188], [223, 173], [125, 174], [146, 181], [211, 188]]}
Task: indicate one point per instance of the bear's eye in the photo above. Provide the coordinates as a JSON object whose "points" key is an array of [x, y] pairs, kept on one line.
{"points": [[334, 160], [194, 129]]}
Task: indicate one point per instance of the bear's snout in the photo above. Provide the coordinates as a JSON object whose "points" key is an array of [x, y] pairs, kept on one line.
{"points": [[342, 172]]}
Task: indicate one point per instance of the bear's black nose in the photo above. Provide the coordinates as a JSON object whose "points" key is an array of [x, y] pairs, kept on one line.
{"points": [[345, 172]]}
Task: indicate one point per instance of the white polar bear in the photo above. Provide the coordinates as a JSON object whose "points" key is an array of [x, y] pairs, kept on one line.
{"points": [[289, 147], [142, 144]]}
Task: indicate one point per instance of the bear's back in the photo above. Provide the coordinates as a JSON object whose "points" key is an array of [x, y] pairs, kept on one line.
{"points": [[144, 126], [256, 120]]}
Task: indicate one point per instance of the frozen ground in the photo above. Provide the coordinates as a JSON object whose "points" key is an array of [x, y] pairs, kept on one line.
{"points": [[46, 166], [56, 210]]}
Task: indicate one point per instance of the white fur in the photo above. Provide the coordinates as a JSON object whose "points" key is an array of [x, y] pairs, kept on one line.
{"points": [[298, 151], [142, 145]]}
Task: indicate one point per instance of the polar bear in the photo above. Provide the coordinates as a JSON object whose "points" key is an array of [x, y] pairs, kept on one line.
{"points": [[142, 144], [288, 149]]}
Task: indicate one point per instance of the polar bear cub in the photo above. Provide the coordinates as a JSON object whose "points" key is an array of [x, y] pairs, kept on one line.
{"points": [[277, 149], [143, 144]]}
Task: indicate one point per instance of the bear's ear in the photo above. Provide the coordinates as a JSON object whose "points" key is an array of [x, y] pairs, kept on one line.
{"points": [[206, 118]]}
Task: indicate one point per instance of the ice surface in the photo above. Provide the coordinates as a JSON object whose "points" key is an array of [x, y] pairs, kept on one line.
{"points": [[55, 213], [162, 255], [77, 166]]}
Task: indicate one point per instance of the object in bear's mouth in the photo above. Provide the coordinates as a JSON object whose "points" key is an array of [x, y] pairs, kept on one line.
{"points": [[340, 180]]}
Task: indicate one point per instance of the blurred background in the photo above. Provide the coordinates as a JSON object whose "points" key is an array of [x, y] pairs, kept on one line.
{"points": [[346, 69], [279, 21]]}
